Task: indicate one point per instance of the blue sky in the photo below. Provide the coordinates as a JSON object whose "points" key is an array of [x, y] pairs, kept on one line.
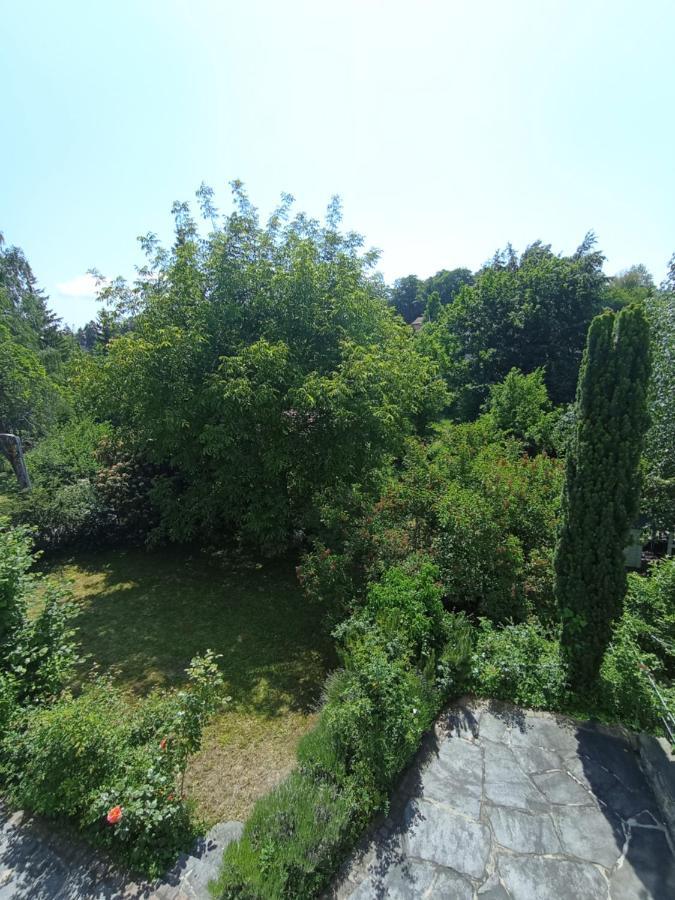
{"points": [[448, 128]]}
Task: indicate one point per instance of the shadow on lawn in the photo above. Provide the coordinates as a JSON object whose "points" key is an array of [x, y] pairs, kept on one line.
{"points": [[143, 616]]}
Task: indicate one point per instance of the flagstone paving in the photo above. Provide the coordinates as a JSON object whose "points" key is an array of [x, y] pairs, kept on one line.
{"points": [[509, 805]]}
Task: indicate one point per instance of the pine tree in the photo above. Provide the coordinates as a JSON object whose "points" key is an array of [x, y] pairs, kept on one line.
{"points": [[602, 487]]}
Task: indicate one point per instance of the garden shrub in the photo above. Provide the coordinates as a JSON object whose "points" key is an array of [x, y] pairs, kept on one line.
{"points": [[86, 488], [625, 690], [403, 656], [37, 655], [519, 663], [65, 515], [328, 578], [294, 840], [650, 603], [67, 454], [481, 566], [112, 767], [643, 641], [484, 511], [520, 407]]}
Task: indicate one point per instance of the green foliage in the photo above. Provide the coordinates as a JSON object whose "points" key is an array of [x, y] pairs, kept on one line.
{"points": [[626, 692], [404, 655], [527, 313], [650, 604], [643, 644], [634, 285], [43, 654], [432, 310], [64, 516], [37, 655], [33, 350], [410, 296], [602, 488], [481, 567], [295, 839], [263, 368], [23, 306], [471, 500], [519, 663], [520, 408], [85, 756], [29, 398], [15, 561], [659, 488], [86, 489], [67, 454]]}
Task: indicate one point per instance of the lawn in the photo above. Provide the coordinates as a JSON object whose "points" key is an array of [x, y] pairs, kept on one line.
{"points": [[143, 616]]}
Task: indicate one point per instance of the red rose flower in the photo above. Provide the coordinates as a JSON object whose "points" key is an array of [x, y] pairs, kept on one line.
{"points": [[114, 815]]}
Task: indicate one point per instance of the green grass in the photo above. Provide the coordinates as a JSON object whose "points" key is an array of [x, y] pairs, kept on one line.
{"points": [[143, 616]]}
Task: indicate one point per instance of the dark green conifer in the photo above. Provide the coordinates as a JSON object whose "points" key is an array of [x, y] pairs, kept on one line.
{"points": [[602, 487]]}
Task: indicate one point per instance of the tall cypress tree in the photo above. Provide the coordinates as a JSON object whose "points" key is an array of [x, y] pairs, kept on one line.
{"points": [[602, 487]]}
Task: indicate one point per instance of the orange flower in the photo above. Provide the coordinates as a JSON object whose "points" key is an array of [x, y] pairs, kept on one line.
{"points": [[162, 744], [114, 815]]}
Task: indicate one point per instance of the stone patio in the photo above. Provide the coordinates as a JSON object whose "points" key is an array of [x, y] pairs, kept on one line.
{"points": [[506, 805]]}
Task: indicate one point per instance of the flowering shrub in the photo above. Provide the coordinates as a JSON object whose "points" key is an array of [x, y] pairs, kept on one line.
{"points": [[115, 768]]}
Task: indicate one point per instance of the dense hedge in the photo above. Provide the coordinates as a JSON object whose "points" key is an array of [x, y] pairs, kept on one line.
{"points": [[403, 657]]}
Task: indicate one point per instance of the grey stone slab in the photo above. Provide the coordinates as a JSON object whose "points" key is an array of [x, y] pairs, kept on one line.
{"points": [[546, 732], [455, 777], [462, 721], [407, 880], [439, 835], [590, 834], [493, 889], [612, 792], [192, 873], [560, 787], [543, 878], [523, 832], [535, 760], [505, 782], [493, 727], [497, 892], [648, 871], [616, 754], [658, 763], [449, 885]]}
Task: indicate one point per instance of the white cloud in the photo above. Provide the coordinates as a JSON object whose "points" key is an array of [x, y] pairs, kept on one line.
{"points": [[80, 286]]}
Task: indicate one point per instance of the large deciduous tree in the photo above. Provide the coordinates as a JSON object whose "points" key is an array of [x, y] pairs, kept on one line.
{"points": [[602, 487], [263, 366], [526, 312]]}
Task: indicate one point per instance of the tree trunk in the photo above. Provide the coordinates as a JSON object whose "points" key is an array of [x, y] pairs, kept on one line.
{"points": [[10, 446]]}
